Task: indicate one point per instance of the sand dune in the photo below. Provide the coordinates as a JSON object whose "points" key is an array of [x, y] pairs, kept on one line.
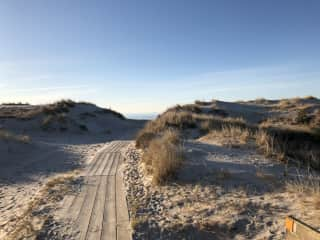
{"points": [[63, 166]]}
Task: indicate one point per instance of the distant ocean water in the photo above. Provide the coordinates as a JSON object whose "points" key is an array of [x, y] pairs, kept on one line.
{"points": [[139, 116]]}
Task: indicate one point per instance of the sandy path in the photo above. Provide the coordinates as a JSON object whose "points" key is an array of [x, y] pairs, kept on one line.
{"points": [[99, 211]]}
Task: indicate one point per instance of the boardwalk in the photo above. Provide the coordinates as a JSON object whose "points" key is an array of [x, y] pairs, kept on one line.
{"points": [[99, 211]]}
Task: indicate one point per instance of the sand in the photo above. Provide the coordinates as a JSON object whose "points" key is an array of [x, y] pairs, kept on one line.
{"points": [[219, 193]]}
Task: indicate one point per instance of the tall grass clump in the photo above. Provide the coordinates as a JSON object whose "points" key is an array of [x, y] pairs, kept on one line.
{"points": [[230, 136], [284, 144], [164, 156], [217, 124]]}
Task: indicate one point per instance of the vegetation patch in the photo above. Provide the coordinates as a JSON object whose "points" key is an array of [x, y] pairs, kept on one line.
{"points": [[230, 136], [298, 143], [8, 136], [164, 156]]}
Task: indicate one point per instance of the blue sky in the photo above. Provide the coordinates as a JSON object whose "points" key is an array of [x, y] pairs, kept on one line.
{"points": [[146, 55]]}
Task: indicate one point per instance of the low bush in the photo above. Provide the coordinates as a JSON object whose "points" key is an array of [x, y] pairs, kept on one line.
{"points": [[144, 138], [164, 156], [170, 120]]}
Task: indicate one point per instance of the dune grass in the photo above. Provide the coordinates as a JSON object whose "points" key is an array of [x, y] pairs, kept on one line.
{"points": [[164, 156], [283, 142], [230, 136], [306, 185]]}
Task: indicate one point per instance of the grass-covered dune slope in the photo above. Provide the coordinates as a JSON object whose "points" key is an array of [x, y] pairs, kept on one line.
{"points": [[287, 129]]}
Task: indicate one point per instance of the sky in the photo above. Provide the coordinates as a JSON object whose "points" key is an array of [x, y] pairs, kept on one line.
{"points": [[146, 55]]}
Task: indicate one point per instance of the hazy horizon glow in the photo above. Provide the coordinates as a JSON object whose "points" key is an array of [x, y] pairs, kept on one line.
{"points": [[145, 56]]}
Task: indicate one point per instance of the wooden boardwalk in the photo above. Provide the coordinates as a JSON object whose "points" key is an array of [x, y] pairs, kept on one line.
{"points": [[298, 230], [100, 211]]}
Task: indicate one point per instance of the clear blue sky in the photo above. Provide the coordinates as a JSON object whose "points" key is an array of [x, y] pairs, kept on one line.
{"points": [[146, 55]]}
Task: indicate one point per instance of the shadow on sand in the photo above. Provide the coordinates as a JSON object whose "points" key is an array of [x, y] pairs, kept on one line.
{"points": [[49, 153], [231, 169]]}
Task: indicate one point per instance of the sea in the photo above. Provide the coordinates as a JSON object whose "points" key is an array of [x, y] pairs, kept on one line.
{"points": [[142, 116]]}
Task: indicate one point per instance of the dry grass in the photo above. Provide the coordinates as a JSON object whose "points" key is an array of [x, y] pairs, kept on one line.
{"points": [[296, 143], [54, 120], [164, 156], [8, 136], [217, 123], [266, 143], [290, 143], [286, 104], [310, 97], [169, 120], [182, 120], [306, 186], [144, 138], [62, 106], [31, 112], [230, 136]]}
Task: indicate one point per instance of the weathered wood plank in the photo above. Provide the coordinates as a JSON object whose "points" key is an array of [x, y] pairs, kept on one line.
{"points": [[110, 215], [298, 230], [95, 225]]}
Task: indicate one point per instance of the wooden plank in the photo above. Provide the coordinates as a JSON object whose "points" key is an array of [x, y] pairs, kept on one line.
{"points": [[86, 210], [103, 166], [298, 230], [100, 164], [94, 162], [78, 202], [96, 219], [99, 211], [114, 166], [110, 215], [123, 223]]}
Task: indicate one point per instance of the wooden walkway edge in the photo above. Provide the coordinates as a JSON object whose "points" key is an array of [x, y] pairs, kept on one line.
{"points": [[298, 230]]}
